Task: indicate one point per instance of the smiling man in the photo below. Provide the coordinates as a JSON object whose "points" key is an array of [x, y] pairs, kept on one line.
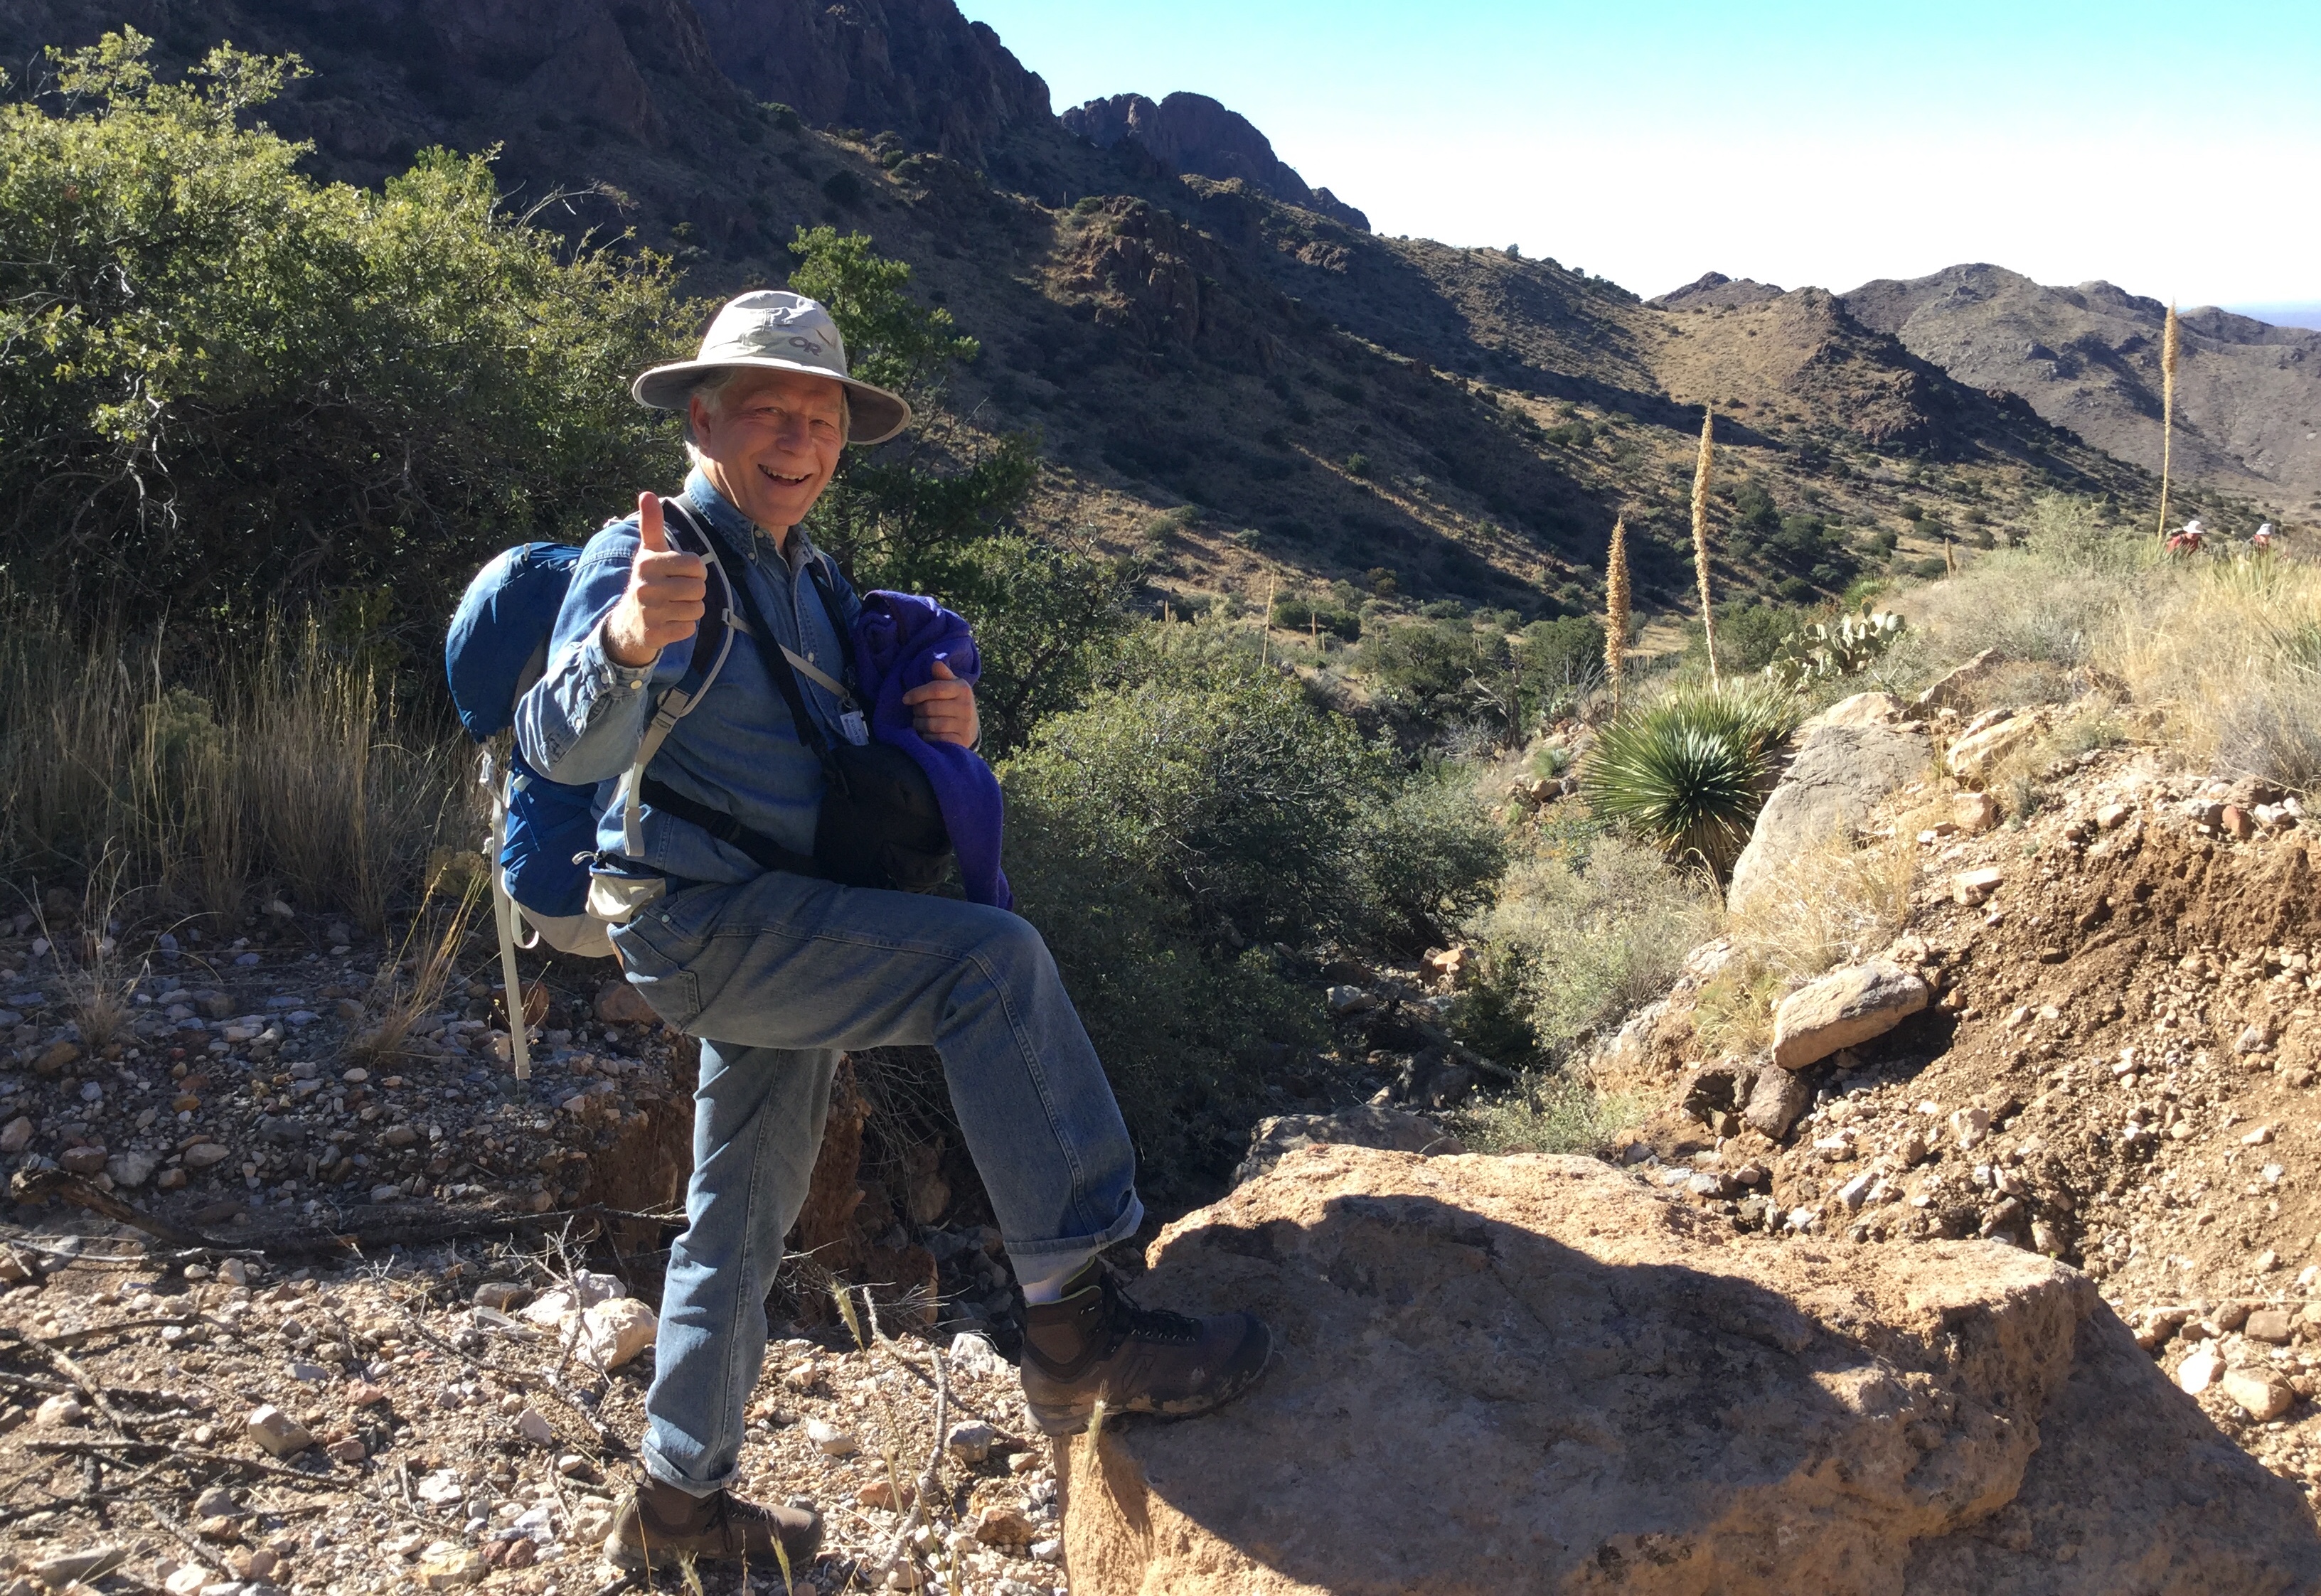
{"points": [[780, 970]]}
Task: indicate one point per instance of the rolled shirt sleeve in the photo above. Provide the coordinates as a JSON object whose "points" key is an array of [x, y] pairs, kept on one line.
{"points": [[582, 722]]}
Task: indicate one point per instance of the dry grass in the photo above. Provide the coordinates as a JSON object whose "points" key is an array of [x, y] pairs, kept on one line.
{"points": [[412, 986], [2230, 655], [1700, 471], [1615, 611], [291, 775], [1549, 1112]]}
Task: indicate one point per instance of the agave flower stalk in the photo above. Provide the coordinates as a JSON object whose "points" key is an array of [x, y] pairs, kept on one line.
{"points": [[1615, 611], [1700, 534], [2167, 410]]}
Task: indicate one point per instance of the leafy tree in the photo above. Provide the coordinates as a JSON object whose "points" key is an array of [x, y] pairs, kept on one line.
{"points": [[227, 386]]}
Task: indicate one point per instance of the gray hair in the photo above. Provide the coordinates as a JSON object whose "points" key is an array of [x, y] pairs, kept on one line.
{"points": [[711, 391]]}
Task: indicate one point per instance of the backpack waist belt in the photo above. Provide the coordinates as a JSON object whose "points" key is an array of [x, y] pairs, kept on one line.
{"points": [[762, 850]]}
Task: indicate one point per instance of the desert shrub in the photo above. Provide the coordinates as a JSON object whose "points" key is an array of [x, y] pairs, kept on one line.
{"points": [[2047, 600], [1689, 773], [228, 385], [1748, 634], [1184, 1032], [1575, 938], [1547, 1112], [1317, 615], [1423, 857], [1219, 788]]}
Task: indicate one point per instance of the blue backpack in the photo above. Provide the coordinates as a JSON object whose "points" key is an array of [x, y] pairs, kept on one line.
{"points": [[544, 832]]}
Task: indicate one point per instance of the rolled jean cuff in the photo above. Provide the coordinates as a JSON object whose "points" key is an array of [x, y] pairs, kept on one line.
{"points": [[1038, 1260], [660, 1468]]}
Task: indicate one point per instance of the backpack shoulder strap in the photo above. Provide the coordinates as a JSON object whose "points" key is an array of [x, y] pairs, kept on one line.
{"points": [[713, 644]]}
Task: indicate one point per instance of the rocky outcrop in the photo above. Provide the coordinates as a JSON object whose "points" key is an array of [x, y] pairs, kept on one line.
{"points": [[1847, 760], [915, 66], [1390, 1130], [1194, 134], [1714, 291], [1540, 1373]]}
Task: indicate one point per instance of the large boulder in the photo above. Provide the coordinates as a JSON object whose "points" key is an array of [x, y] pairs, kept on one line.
{"points": [[1542, 1373], [1845, 1009], [1368, 1126], [1846, 761]]}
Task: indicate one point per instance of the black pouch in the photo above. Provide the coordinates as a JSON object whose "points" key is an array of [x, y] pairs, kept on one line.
{"points": [[880, 825]]}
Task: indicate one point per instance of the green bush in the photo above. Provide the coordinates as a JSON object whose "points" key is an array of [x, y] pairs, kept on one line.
{"points": [[1308, 614], [228, 385], [1423, 857], [1219, 788], [1576, 938], [1689, 773]]}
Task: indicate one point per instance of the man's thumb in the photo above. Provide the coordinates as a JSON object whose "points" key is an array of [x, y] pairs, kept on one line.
{"points": [[648, 524], [943, 673]]}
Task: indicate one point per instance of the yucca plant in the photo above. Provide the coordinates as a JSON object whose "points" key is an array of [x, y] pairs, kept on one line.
{"points": [[1615, 611], [1690, 772], [1700, 535], [2167, 410]]}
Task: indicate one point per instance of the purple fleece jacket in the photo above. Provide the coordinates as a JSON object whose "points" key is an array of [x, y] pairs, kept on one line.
{"points": [[898, 639]]}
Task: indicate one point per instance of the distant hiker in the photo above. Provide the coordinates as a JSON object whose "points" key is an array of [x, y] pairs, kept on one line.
{"points": [[2189, 538], [2260, 540], [727, 839]]}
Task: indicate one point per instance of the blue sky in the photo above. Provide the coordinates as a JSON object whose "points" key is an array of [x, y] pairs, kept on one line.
{"points": [[2174, 150]]}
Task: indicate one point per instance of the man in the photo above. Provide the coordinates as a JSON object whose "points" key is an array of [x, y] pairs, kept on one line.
{"points": [[779, 973]]}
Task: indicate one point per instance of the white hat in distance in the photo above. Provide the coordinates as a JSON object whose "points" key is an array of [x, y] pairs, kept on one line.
{"points": [[776, 330]]}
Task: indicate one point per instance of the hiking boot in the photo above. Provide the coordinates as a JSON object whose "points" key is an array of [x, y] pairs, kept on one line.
{"points": [[659, 1526], [1095, 1344]]}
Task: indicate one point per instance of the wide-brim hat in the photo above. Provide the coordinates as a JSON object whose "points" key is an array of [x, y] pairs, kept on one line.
{"points": [[774, 330]]}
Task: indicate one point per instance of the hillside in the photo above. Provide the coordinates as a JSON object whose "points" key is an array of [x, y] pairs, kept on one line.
{"points": [[1334, 405], [2087, 359]]}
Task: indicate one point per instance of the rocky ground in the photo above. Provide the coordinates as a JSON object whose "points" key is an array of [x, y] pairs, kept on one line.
{"points": [[442, 1417], [2110, 1056]]}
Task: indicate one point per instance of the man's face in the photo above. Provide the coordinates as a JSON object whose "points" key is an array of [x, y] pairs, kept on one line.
{"points": [[772, 443]]}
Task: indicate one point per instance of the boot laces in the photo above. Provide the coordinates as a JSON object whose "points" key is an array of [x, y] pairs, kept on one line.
{"points": [[1128, 1321]]}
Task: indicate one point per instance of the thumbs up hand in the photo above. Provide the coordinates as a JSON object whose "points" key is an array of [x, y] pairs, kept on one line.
{"points": [[667, 592]]}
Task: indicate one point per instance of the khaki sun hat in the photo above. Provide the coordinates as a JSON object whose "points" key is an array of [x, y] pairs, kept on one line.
{"points": [[777, 331]]}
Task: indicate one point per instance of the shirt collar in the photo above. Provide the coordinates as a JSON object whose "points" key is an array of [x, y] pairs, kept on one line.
{"points": [[738, 528]]}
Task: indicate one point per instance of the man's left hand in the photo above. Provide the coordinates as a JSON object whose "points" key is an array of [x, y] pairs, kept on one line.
{"points": [[944, 709]]}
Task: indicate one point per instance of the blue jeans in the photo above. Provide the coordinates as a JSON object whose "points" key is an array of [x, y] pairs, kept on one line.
{"points": [[778, 976]]}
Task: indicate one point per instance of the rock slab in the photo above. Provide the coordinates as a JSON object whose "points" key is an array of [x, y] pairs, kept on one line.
{"points": [[1540, 1373], [1845, 1009], [1842, 768]]}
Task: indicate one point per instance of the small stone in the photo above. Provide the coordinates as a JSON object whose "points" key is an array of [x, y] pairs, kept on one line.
{"points": [[973, 1354], [1779, 1097], [589, 1526], [82, 1161], [187, 1581], [878, 1493], [216, 1503], [2257, 1137], [614, 1332], [1975, 887], [1004, 1527], [279, 1433], [1856, 1191], [2199, 1371], [2261, 1396], [52, 1059], [204, 1154], [620, 1003], [450, 1569], [829, 1440], [349, 1450], [533, 1427], [2237, 824], [362, 1394], [970, 1443], [79, 1567], [1968, 1127], [355, 1077], [17, 1135], [1048, 1551], [2112, 816], [521, 1551], [62, 1412], [501, 1296], [439, 1489], [1342, 1000], [2270, 1324], [2267, 1261], [1975, 812]]}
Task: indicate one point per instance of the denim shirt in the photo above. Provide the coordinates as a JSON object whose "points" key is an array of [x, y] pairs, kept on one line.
{"points": [[738, 749]]}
